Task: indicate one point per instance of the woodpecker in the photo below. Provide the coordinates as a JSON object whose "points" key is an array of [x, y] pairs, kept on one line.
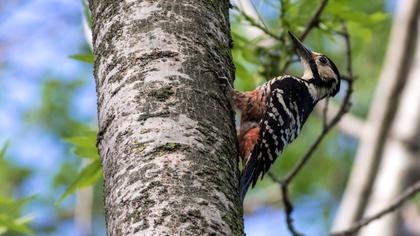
{"points": [[273, 114]]}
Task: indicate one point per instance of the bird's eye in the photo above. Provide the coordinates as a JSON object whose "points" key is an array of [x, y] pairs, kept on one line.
{"points": [[323, 60]]}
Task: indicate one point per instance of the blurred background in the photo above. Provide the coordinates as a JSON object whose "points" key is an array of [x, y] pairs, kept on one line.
{"points": [[50, 179]]}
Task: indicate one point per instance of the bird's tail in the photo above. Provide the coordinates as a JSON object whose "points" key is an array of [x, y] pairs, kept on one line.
{"points": [[248, 176]]}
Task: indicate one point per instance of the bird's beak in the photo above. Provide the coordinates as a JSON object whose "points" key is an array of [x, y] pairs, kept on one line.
{"points": [[302, 51]]}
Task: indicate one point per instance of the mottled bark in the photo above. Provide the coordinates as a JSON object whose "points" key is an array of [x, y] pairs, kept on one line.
{"points": [[166, 130]]}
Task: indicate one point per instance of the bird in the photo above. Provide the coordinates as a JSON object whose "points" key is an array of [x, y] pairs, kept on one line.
{"points": [[272, 115]]}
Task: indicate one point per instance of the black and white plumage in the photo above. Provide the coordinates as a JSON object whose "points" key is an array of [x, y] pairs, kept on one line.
{"points": [[273, 114]]}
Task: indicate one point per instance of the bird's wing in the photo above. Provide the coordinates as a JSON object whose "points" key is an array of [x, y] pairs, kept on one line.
{"points": [[279, 126]]}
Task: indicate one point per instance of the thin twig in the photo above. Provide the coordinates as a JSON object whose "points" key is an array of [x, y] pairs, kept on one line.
{"points": [[254, 23], [401, 199], [258, 15], [288, 208], [312, 23], [348, 50], [325, 113], [287, 203]]}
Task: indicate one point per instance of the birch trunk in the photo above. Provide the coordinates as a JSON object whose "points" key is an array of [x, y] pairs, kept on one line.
{"points": [[381, 115], [166, 131], [400, 156]]}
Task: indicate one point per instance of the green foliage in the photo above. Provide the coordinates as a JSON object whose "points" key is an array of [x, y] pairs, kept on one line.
{"points": [[4, 149], [86, 13], [360, 23], [261, 58], [89, 175], [11, 220], [256, 61], [84, 146], [66, 174], [54, 111], [10, 175], [87, 58]]}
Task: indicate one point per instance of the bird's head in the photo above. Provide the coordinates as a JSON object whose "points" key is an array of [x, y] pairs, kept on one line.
{"points": [[319, 70]]}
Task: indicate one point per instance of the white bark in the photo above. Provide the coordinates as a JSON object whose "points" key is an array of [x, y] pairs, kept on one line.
{"points": [[400, 156], [381, 114], [166, 133], [83, 211]]}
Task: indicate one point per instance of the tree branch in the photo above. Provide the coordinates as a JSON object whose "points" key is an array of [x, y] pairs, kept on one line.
{"points": [[406, 195], [256, 24], [287, 203], [312, 23], [349, 124], [314, 20], [325, 113], [382, 111]]}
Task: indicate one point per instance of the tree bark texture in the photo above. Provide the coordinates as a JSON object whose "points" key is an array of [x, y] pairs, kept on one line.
{"points": [[166, 130]]}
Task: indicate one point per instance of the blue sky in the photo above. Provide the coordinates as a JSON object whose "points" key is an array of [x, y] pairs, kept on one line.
{"points": [[36, 39]]}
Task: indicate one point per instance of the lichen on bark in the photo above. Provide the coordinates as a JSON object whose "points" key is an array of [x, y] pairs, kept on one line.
{"points": [[166, 130]]}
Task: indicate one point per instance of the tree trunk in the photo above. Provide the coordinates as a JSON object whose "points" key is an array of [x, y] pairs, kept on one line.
{"points": [[382, 112], [166, 131], [83, 211], [400, 155]]}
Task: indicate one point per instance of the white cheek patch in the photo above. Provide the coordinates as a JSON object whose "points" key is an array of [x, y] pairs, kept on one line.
{"points": [[307, 72], [326, 72]]}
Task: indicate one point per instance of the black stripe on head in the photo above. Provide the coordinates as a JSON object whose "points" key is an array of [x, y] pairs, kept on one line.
{"points": [[325, 83], [314, 70], [334, 68]]}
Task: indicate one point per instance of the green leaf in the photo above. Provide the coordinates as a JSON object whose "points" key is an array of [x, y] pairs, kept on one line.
{"points": [[84, 146], [87, 14], [4, 149], [10, 218], [13, 206], [378, 17], [239, 40], [16, 225], [87, 58], [343, 11], [357, 30], [244, 79], [88, 176]]}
